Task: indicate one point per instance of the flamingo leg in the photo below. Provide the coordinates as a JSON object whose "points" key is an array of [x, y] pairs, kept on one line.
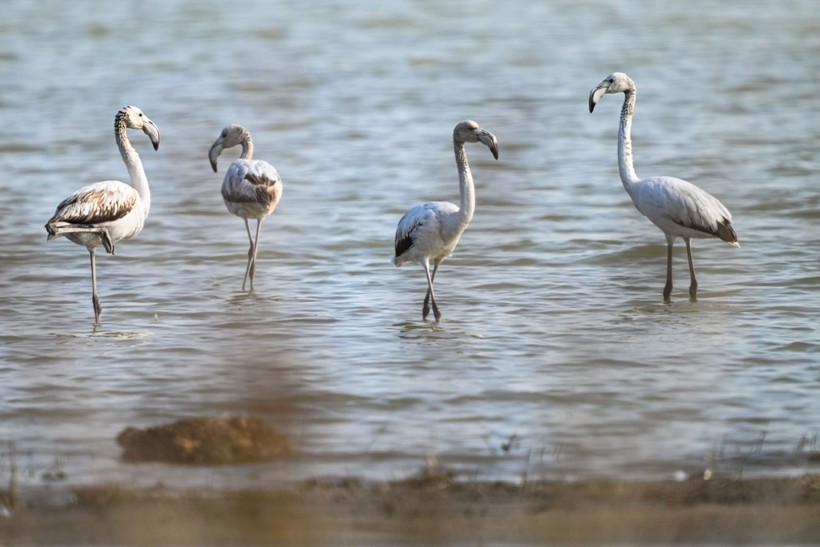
{"points": [[693, 285], [426, 307], [255, 250], [425, 310], [107, 243], [667, 289], [94, 298], [250, 255]]}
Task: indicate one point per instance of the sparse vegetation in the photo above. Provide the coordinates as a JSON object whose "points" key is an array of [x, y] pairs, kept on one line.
{"points": [[8, 497], [438, 504]]}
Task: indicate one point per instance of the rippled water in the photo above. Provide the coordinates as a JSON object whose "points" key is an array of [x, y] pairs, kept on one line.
{"points": [[556, 356]]}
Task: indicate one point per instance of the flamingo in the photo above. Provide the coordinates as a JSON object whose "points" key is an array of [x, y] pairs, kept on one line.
{"points": [[678, 208], [429, 232], [104, 213], [251, 188]]}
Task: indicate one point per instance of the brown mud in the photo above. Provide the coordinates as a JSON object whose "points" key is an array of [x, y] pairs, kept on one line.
{"points": [[205, 441]]}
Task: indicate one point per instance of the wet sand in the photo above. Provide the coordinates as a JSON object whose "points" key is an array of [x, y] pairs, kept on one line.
{"points": [[434, 508]]}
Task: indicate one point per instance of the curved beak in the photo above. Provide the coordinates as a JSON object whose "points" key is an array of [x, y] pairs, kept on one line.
{"points": [[489, 140], [596, 94], [213, 154], [151, 129]]}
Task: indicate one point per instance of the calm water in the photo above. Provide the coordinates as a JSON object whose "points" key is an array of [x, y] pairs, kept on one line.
{"points": [[556, 356]]}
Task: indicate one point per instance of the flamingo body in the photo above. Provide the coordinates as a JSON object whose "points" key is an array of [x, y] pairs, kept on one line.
{"points": [[251, 188], [421, 233], [110, 205], [681, 209]]}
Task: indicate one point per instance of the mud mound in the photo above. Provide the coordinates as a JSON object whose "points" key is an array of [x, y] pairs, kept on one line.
{"points": [[204, 441]]}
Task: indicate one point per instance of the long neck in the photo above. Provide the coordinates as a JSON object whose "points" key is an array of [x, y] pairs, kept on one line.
{"points": [[133, 163], [625, 166], [247, 147], [465, 185]]}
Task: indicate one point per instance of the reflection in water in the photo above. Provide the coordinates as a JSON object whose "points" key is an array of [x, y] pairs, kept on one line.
{"points": [[554, 333], [99, 331]]}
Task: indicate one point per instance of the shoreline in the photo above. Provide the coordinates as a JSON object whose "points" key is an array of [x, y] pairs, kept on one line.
{"points": [[432, 507]]}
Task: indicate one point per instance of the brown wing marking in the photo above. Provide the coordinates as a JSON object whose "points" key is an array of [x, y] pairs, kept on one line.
{"points": [[94, 207], [264, 187]]}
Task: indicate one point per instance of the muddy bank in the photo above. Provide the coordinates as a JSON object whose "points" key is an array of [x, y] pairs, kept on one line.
{"points": [[434, 508], [205, 441]]}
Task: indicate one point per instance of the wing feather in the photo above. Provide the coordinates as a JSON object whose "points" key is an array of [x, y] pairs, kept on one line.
{"points": [[685, 205], [252, 181], [404, 240], [96, 203], [415, 220]]}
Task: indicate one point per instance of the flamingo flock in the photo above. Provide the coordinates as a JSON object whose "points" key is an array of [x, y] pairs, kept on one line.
{"points": [[105, 213]]}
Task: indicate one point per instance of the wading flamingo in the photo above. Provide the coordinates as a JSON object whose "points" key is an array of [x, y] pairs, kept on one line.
{"points": [[678, 208], [251, 188], [106, 212], [430, 232]]}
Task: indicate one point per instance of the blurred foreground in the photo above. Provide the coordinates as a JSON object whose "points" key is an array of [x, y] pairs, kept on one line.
{"points": [[432, 508]]}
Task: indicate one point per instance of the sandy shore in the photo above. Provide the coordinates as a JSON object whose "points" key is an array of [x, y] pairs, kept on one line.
{"points": [[431, 509]]}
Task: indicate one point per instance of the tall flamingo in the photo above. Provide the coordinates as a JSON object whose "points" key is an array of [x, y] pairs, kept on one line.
{"points": [[678, 208], [429, 232], [107, 212], [251, 188]]}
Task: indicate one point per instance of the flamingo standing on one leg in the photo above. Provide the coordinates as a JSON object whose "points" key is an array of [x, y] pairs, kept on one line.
{"points": [[106, 212], [430, 232], [251, 188], [677, 207]]}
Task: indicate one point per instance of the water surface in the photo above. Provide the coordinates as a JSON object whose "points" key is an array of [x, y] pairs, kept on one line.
{"points": [[556, 356]]}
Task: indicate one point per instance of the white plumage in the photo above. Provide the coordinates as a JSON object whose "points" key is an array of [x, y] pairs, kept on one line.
{"points": [[106, 212], [430, 232], [677, 207], [251, 188]]}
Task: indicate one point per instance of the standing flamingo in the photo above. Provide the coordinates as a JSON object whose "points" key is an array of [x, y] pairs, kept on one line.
{"points": [[251, 188], [106, 212], [430, 232], [677, 207]]}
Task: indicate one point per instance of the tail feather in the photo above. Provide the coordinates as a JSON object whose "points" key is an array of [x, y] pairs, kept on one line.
{"points": [[726, 232]]}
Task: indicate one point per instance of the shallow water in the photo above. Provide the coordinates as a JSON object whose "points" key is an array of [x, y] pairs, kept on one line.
{"points": [[556, 356]]}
